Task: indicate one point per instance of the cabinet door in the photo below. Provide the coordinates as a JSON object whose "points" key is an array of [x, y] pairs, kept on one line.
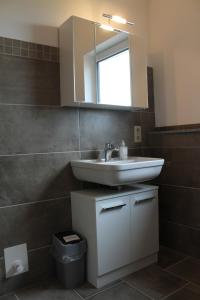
{"points": [[113, 233], [84, 60], [139, 71], [144, 225]]}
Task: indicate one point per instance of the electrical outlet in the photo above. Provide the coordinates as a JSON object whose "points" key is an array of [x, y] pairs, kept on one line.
{"points": [[137, 134], [16, 260]]}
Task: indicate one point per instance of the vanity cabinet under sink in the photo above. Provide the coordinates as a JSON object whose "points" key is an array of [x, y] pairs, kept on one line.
{"points": [[121, 228]]}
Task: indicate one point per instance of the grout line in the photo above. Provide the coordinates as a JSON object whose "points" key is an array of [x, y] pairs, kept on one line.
{"points": [[39, 153], [137, 289], [79, 133], [32, 250], [30, 105], [56, 152], [78, 294], [35, 202], [30, 285], [138, 147], [172, 147], [174, 292], [180, 224], [158, 130], [180, 261], [8, 294], [40, 248], [176, 131], [180, 186], [174, 252], [178, 276], [148, 147], [103, 290], [17, 298]]}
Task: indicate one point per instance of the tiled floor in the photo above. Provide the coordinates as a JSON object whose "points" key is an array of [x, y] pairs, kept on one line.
{"points": [[175, 277]]}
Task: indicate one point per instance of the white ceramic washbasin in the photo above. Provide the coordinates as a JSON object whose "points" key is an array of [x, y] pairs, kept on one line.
{"points": [[117, 172]]}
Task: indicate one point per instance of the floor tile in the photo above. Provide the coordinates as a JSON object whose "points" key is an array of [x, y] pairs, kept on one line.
{"points": [[155, 282], [189, 269], [168, 257], [120, 292], [87, 289], [47, 291], [190, 292]]}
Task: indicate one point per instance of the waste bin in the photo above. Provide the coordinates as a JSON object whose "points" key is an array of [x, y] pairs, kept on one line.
{"points": [[69, 252]]}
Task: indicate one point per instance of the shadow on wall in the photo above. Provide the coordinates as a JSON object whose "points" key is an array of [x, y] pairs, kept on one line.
{"points": [[41, 33], [163, 92]]}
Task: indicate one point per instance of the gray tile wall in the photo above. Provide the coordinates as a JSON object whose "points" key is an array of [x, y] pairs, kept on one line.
{"points": [[179, 189], [37, 141], [25, 49]]}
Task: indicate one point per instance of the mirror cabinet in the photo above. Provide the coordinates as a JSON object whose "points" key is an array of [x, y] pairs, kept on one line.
{"points": [[100, 68]]}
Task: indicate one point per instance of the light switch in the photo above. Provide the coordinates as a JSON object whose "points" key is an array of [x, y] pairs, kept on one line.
{"points": [[16, 260]]}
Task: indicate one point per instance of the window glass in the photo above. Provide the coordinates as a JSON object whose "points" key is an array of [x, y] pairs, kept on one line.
{"points": [[114, 79]]}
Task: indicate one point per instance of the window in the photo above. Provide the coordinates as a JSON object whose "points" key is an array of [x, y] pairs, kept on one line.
{"points": [[113, 76]]}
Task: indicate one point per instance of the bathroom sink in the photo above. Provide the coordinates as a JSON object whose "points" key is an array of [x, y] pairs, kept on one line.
{"points": [[117, 172]]}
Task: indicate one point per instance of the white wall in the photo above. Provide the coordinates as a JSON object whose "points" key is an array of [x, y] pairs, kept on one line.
{"points": [[174, 47], [37, 20]]}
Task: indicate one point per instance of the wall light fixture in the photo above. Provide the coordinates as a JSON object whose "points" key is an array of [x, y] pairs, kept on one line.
{"points": [[106, 27], [117, 19]]}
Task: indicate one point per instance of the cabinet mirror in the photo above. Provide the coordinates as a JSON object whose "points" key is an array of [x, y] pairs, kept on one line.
{"points": [[113, 67]]}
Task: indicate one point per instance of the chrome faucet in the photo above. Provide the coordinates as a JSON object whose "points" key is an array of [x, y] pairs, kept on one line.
{"points": [[108, 150]]}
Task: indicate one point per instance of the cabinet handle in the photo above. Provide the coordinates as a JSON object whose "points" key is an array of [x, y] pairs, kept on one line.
{"points": [[143, 200], [113, 207]]}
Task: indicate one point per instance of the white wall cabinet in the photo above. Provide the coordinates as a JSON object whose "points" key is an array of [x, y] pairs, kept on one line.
{"points": [[121, 228], [84, 46]]}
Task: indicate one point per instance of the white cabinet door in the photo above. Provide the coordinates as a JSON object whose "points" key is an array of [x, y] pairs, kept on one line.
{"points": [[144, 225], [113, 233]]}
